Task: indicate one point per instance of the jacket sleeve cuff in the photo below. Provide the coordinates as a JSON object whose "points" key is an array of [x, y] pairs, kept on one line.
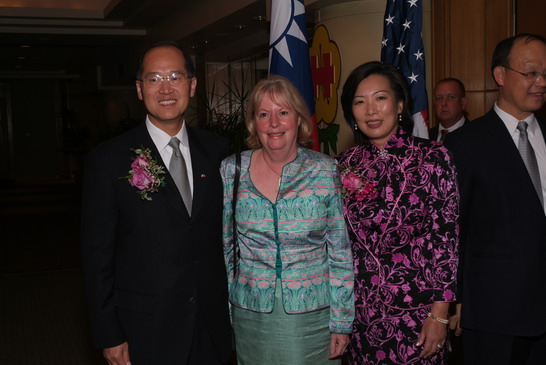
{"points": [[341, 327]]}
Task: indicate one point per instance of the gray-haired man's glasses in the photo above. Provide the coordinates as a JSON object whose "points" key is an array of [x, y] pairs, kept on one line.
{"points": [[532, 76]]}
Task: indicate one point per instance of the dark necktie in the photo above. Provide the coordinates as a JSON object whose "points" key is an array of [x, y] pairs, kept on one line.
{"points": [[443, 133], [179, 172], [529, 158]]}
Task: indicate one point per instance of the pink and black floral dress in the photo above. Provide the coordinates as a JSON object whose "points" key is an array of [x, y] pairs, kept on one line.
{"points": [[401, 209]]}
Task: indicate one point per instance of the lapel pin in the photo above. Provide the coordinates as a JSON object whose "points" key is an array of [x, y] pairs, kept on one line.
{"points": [[203, 176]]}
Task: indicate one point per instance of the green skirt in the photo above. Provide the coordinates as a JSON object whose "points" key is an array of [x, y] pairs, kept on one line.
{"points": [[281, 338]]}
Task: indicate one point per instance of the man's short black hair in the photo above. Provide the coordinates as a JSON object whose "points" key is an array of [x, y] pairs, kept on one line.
{"points": [[501, 55], [455, 80], [190, 68]]}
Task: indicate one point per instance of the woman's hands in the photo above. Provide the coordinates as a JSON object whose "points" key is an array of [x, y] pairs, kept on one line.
{"points": [[432, 338], [338, 345], [433, 334]]}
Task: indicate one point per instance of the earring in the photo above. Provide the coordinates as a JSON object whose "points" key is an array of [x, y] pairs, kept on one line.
{"points": [[356, 127], [399, 117]]}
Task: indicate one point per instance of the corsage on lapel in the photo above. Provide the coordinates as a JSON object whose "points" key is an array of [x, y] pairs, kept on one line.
{"points": [[356, 187], [145, 174]]}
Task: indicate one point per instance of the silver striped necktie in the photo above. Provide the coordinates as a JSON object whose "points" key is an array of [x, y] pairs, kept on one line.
{"points": [[529, 159], [179, 172]]}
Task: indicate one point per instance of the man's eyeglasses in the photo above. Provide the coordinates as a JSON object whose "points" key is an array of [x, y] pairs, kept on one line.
{"points": [[532, 76], [154, 80]]}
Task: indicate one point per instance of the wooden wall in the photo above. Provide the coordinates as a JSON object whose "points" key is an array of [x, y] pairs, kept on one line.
{"points": [[530, 16], [530, 19], [464, 35]]}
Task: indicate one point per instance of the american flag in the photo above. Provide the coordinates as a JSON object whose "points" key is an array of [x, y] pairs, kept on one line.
{"points": [[289, 51], [402, 46]]}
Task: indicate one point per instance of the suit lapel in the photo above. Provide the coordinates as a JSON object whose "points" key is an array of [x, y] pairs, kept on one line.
{"points": [[169, 192], [434, 133], [500, 141], [202, 171]]}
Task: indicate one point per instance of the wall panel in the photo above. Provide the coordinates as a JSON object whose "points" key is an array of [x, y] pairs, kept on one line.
{"points": [[464, 35]]}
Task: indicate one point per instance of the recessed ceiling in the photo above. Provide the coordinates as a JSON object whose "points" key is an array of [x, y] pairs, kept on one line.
{"points": [[62, 35], [57, 8]]}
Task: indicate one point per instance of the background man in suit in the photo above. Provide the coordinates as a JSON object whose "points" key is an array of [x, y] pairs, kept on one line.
{"points": [[503, 221], [450, 106], [155, 278]]}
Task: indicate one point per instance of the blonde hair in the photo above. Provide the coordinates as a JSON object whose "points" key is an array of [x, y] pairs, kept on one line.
{"points": [[282, 92]]}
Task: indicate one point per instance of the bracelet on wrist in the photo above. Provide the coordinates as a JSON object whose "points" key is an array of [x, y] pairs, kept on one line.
{"points": [[436, 318]]}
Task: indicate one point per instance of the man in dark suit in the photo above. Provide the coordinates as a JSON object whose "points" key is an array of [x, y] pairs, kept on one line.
{"points": [[450, 106], [502, 175], [151, 247]]}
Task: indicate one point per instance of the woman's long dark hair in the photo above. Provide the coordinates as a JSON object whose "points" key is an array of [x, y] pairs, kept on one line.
{"points": [[397, 83]]}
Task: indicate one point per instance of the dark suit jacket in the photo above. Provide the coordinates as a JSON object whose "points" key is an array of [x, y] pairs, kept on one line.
{"points": [[148, 267], [433, 132], [503, 232]]}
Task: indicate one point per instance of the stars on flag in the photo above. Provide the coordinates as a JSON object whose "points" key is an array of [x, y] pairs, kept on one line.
{"points": [[413, 78], [389, 19], [402, 46]]}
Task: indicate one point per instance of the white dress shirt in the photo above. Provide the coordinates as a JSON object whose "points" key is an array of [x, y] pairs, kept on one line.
{"points": [[536, 138], [161, 141]]}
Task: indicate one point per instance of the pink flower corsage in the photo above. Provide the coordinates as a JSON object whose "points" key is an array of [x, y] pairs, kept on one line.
{"points": [[145, 173], [356, 187]]}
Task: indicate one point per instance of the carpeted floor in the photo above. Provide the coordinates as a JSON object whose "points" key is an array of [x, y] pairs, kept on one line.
{"points": [[42, 312], [43, 320]]}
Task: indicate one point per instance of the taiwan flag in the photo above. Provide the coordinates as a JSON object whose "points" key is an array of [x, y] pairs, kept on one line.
{"points": [[402, 46], [289, 52]]}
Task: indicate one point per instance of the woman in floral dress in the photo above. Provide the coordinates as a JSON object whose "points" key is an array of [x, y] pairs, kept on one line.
{"points": [[401, 208]]}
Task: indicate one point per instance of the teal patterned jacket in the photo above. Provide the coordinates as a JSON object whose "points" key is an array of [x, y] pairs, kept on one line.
{"points": [[302, 237]]}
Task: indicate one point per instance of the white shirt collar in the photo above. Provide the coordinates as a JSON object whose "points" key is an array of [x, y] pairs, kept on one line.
{"points": [[161, 139], [459, 124], [511, 122]]}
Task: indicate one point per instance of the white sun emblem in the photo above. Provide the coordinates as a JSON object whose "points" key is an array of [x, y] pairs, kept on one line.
{"points": [[285, 26]]}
